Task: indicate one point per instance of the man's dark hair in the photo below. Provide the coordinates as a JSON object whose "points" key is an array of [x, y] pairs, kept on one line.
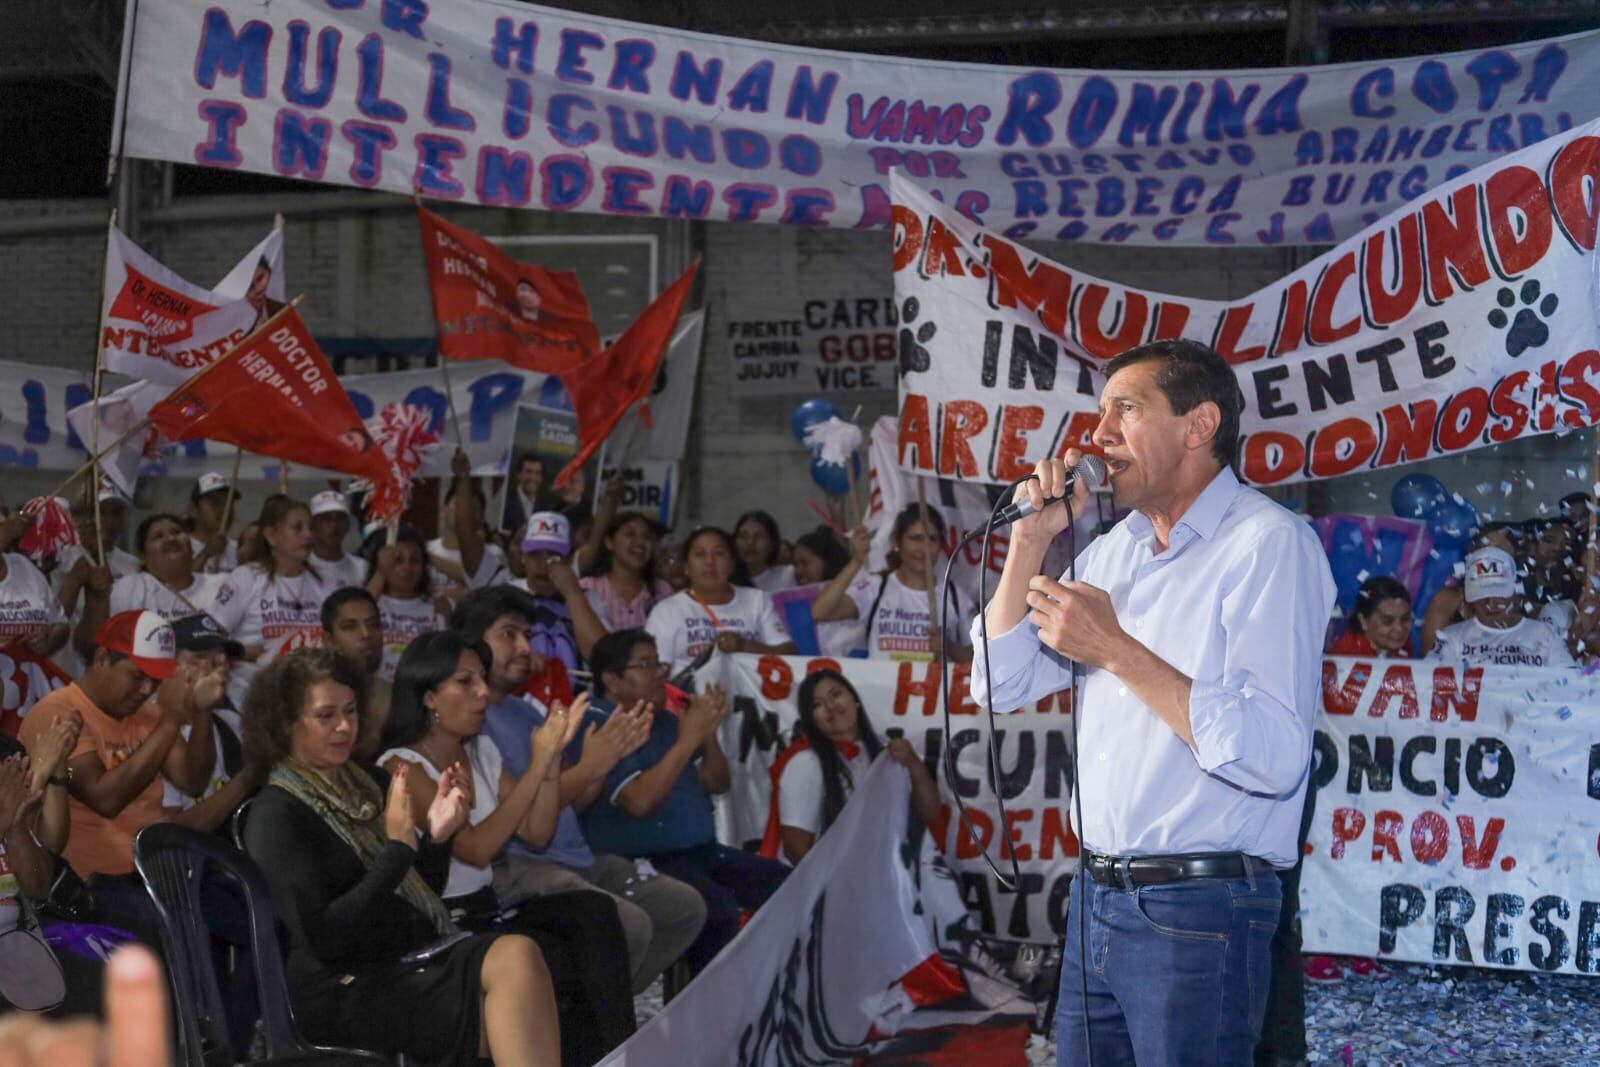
{"points": [[527, 458], [474, 615], [1192, 373], [612, 652], [338, 599]]}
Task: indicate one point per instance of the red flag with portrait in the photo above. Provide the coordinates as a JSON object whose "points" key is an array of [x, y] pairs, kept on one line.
{"points": [[275, 395], [603, 389], [491, 306]]}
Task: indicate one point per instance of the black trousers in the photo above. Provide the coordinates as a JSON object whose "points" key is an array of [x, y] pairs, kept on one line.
{"points": [[1283, 1034]]}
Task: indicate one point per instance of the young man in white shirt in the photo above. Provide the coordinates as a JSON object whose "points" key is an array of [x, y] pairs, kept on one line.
{"points": [[330, 525], [1498, 631]]}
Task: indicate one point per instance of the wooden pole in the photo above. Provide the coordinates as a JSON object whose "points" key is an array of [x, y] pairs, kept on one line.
{"points": [[855, 506], [233, 491], [94, 426], [933, 599], [450, 398]]}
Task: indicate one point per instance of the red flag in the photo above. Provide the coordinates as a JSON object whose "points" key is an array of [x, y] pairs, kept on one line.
{"points": [[604, 388], [491, 306], [275, 395]]}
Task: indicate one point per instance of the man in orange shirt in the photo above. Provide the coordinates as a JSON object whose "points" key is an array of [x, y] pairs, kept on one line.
{"points": [[128, 741]]}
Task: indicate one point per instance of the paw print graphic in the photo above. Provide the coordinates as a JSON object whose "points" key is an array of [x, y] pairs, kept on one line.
{"points": [[913, 356], [1529, 328]]}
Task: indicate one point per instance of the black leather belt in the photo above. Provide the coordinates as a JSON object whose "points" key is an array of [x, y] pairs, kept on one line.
{"points": [[1158, 870]]}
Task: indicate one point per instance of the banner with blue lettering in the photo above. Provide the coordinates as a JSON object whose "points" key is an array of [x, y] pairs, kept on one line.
{"points": [[517, 105], [1468, 318], [34, 432]]}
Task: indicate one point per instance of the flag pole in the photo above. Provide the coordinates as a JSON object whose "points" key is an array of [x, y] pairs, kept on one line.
{"points": [[233, 490], [933, 602], [94, 410], [450, 398]]}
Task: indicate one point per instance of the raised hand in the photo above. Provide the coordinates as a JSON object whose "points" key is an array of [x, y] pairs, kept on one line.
{"points": [[620, 736], [860, 545], [1049, 480], [54, 747], [547, 736], [901, 751], [705, 713], [175, 699], [398, 822], [448, 812], [13, 790]]}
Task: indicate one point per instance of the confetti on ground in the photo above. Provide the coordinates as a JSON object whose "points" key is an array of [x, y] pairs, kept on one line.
{"points": [[1418, 1016]]}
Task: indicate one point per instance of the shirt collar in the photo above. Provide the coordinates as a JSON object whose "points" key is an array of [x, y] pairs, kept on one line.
{"points": [[1202, 518]]}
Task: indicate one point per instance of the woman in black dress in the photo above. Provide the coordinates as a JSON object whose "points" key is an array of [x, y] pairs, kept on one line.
{"points": [[353, 879], [435, 723]]}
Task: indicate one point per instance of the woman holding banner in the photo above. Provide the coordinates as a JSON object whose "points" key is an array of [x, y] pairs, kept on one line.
{"points": [[813, 778]]}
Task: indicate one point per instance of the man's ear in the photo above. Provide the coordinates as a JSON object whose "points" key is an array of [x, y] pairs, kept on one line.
{"points": [[1204, 422]]}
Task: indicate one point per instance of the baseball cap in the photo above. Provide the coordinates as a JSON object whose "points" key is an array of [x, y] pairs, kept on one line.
{"points": [[144, 637], [202, 633], [209, 482], [109, 492], [329, 500], [1491, 572], [547, 531]]}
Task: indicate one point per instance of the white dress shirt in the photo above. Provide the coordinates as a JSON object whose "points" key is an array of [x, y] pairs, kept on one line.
{"points": [[1238, 602]]}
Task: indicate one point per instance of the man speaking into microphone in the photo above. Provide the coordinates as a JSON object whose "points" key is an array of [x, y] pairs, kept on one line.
{"points": [[1195, 627]]}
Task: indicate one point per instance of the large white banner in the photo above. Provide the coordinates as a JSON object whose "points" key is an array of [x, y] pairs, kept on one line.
{"points": [[516, 105], [1457, 817], [902, 699], [1468, 318], [866, 930], [34, 434]]}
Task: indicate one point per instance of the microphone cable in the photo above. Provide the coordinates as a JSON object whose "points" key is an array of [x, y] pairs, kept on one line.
{"points": [[1010, 885]]}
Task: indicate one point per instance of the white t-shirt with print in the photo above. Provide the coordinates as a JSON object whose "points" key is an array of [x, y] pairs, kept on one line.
{"points": [[145, 592], [492, 568], [121, 563], [898, 628], [483, 758], [403, 621], [684, 628], [800, 788], [1530, 643], [27, 603], [226, 563], [260, 608]]}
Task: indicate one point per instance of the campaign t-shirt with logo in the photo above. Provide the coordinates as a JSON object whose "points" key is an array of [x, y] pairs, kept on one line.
{"points": [[27, 603], [121, 563], [800, 790], [775, 578], [403, 622], [146, 592], [683, 627], [1530, 643], [898, 627], [280, 614]]}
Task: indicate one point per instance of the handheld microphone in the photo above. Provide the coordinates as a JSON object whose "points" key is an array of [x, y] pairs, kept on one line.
{"points": [[1091, 470]]}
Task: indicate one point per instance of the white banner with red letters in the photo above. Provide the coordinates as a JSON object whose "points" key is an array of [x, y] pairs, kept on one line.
{"points": [[1457, 817], [517, 105], [1468, 318], [161, 328]]}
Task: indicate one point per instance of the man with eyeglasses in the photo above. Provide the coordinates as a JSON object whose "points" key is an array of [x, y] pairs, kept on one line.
{"points": [[656, 803], [660, 916]]}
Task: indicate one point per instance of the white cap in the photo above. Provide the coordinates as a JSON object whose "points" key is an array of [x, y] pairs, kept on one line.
{"points": [[329, 500], [1491, 572], [209, 482], [109, 492], [547, 531]]}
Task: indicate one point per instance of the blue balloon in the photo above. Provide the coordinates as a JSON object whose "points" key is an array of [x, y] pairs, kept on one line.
{"points": [[832, 479], [808, 413], [1416, 495], [1453, 523]]}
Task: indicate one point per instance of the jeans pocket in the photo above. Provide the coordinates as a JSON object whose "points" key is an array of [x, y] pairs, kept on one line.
{"points": [[1200, 910]]}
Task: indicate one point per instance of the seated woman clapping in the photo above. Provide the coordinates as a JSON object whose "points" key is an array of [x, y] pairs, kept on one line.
{"points": [[834, 744], [354, 878], [441, 696]]}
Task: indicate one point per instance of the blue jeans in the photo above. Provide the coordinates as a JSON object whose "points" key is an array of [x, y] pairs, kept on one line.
{"points": [[731, 881], [1177, 973]]}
